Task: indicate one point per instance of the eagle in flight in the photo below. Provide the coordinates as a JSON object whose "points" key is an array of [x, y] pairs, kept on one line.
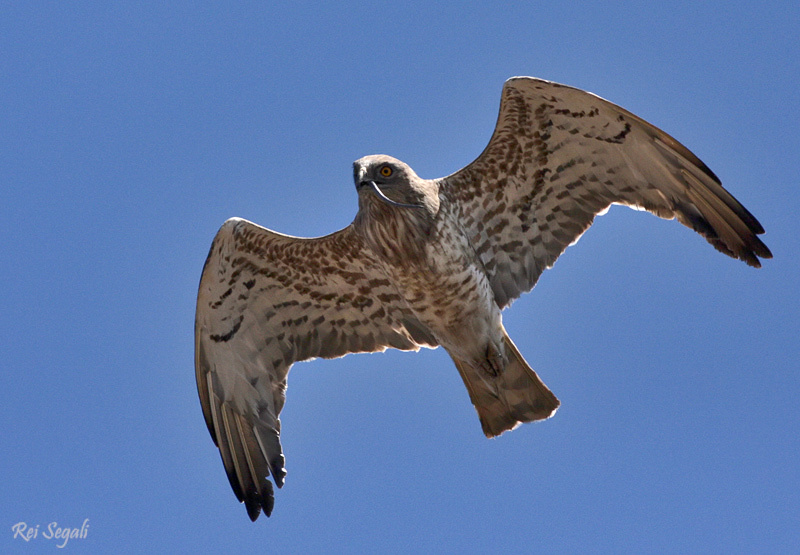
{"points": [[433, 262]]}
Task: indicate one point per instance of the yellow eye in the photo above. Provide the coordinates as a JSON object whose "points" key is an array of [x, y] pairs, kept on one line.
{"points": [[386, 171]]}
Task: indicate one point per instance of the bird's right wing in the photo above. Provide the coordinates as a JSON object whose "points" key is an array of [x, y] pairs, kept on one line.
{"points": [[265, 301]]}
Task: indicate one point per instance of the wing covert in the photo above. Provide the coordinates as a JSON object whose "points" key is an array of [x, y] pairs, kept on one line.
{"points": [[559, 156], [268, 300]]}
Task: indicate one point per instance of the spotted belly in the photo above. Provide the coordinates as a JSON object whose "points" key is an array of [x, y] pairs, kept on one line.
{"points": [[453, 298]]}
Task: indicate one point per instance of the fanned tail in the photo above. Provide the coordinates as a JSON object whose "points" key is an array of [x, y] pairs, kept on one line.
{"points": [[517, 395]]}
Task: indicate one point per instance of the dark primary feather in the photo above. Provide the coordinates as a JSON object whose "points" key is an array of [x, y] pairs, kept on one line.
{"points": [[560, 156], [268, 300]]}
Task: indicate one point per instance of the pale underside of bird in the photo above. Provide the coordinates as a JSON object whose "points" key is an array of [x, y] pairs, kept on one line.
{"points": [[430, 263]]}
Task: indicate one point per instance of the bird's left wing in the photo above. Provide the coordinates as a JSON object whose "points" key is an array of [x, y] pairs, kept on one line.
{"points": [[267, 300], [558, 157]]}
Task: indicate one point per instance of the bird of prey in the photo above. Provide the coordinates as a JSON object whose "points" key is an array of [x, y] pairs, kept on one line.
{"points": [[433, 262]]}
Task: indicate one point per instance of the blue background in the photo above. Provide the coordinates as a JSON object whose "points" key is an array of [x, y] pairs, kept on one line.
{"points": [[130, 131]]}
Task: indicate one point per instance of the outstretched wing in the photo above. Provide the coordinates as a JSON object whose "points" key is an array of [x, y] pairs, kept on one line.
{"points": [[558, 157], [266, 301]]}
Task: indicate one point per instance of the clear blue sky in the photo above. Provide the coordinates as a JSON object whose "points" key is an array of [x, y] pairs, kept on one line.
{"points": [[129, 133]]}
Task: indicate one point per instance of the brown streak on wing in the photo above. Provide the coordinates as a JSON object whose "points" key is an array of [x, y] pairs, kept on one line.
{"points": [[268, 300], [560, 156]]}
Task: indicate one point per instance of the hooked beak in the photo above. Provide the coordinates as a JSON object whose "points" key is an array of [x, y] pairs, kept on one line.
{"points": [[383, 197]]}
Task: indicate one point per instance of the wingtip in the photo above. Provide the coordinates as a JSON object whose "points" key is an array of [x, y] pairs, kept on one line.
{"points": [[256, 503], [756, 250], [754, 258], [253, 510], [763, 250]]}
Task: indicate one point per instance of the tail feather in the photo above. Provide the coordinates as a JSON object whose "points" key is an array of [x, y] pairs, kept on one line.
{"points": [[517, 395]]}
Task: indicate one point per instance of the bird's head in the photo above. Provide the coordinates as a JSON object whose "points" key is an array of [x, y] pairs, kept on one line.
{"points": [[383, 179]]}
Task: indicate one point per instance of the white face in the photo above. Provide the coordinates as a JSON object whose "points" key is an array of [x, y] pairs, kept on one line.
{"points": [[381, 174], [380, 168]]}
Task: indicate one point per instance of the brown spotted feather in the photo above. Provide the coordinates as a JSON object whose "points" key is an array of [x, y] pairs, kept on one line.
{"points": [[266, 301], [560, 156]]}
